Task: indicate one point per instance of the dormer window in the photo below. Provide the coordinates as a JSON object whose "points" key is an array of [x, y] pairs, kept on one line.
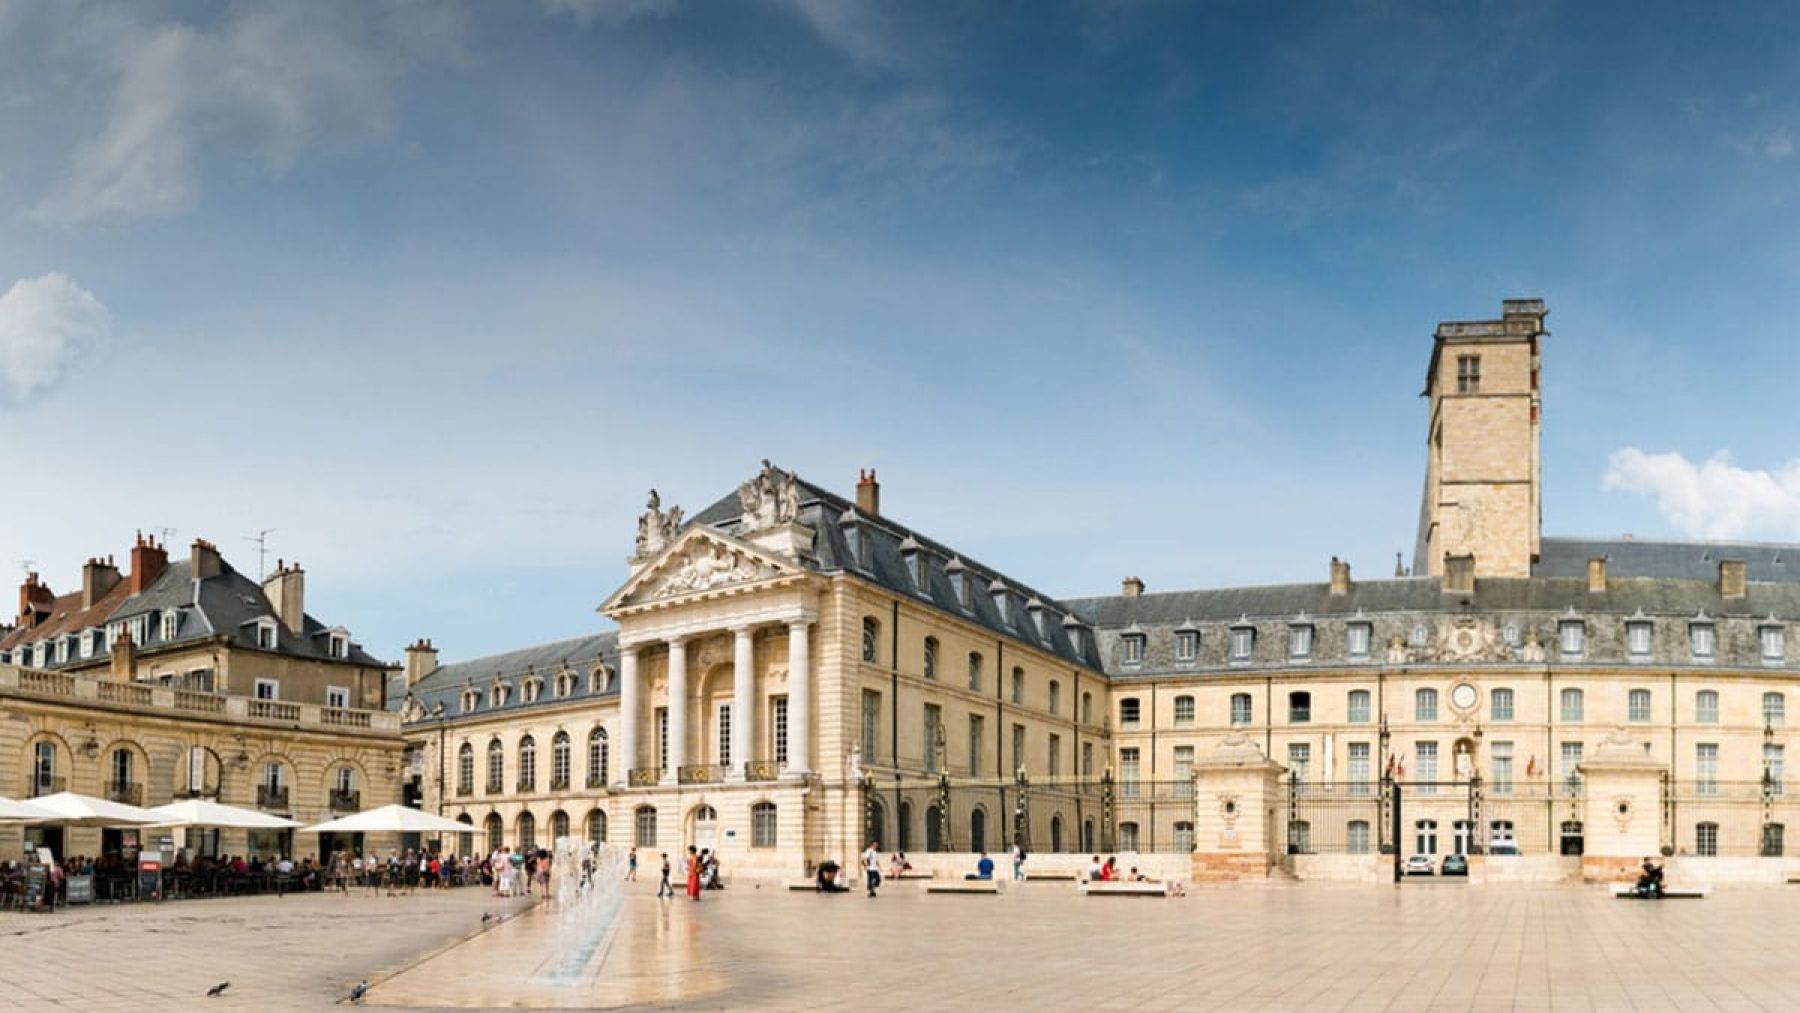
{"points": [[340, 645], [914, 560], [1187, 646], [1637, 639], [1243, 641], [1356, 640], [599, 678], [170, 621], [1072, 626], [470, 700], [1037, 611], [854, 538], [140, 629], [1702, 639], [95, 642], [1131, 650], [959, 580], [497, 695], [1300, 637], [1002, 596], [265, 634], [1571, 637], [1773, 637]]}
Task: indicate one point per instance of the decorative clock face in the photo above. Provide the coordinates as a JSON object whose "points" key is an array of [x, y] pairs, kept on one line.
{"points": [[1463, 696]]}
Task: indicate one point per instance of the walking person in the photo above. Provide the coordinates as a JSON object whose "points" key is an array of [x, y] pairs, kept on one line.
{"points": [[663, 889], [693, 872], [1018, 857], [871, 863], [631, 867]]}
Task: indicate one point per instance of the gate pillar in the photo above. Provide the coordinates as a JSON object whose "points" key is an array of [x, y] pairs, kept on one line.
{"points": [[1623, 819], [1237, 792]]}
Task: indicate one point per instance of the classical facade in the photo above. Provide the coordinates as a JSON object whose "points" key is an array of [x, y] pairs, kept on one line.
{"points": [[185, 678], [793, 672]]}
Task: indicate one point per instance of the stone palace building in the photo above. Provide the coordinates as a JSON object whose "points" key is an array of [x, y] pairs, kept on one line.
{"points": [[794, 672]]}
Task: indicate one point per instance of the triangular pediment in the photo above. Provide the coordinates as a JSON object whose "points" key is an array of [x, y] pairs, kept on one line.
{"points": [[699, 561]]}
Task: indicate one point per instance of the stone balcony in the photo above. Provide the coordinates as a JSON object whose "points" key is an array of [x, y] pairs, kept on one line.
{"points": [[163, 701]]}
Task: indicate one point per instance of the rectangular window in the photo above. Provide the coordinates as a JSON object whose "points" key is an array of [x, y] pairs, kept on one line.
{"points": [[1571, 766], [1638, 705], [1356, 640], [1428, 767], [1299, 707], [662, 739], [1774, 710], [1425, 705], [1018, 686], [1128, 836], [1087, 759], [1359, 768], [1300, 643], [1706, 840], [268, 689], [1706, 768], [1187, 646], [1184, 711], [871, 725], [265, 636], [1055, 755], [1774, 757], [1358, 711], [1240, 709], [337, 696], [1128, 772], [1468, 374], [778, 729], [1637, 639], [933, 730], [723, 724], [977, 740], [1774, 643], [1018, 748], [1184, 771], [1701, 640], [1502, 754], [1573, 705], [1184, 837], [1357, 837], [1299, 761], [1571, 635], [1243, 639], [1134, 649], [1129, 712], [1706, 707]]}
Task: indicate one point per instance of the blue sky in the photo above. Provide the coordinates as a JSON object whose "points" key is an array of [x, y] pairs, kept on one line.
{"points": [[437, 291]]}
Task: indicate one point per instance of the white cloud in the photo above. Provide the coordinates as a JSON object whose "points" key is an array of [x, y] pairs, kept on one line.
{"points": [[611, 13], [272, 84], [1715, 499], [44, 323]]}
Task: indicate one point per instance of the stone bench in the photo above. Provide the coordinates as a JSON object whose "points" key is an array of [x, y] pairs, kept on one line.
{"points": [[812, 886], [1627, 891], [963, 886], [1124, 889], [1054, 876], [908, 874]]}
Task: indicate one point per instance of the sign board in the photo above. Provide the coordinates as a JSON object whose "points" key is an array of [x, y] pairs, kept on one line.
{"points": [[37, 880], [150, 875], [81, 890]]}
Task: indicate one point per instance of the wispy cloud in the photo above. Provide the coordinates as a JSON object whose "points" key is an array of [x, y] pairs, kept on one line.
{"points": [[611, 13], [1713, 499], [1774, 144], [45, 322]]}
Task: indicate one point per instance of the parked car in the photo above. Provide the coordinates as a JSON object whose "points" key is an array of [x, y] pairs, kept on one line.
{"points": [[1418, 865], [1498, 847], [1456, 865]]}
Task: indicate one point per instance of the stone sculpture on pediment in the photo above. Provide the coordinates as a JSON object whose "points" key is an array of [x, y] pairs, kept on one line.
{"points": [[656, 528], [1533, 650], [1396, 650], [705, 565], [771, 498]]}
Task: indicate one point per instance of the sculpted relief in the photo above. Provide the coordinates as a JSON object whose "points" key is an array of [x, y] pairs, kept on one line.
{"points": [[706, 565], [771, 498], [656, 528], [1463, 638]]}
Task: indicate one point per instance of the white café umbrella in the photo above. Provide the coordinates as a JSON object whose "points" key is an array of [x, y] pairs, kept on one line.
{"points": [[199, 812], [13, 811], [72, 810], [391, 819]]}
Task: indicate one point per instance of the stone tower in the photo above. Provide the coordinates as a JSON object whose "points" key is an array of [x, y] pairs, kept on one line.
{"points": [[1481, 467]]}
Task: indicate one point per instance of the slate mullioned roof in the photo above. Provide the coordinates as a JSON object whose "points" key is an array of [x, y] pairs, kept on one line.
{"points": [[579, 655], [1690, 560]]}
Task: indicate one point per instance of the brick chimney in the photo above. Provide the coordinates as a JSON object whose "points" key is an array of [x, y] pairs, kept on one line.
{"points": [[148, 560], [124, 657], [868, 492], [1459, 573], [1131, 587], [205, 559], [1732, 578], [36, 601], [98, 576], [1597, 575], [1340, 576], [286, 590], [421, 661]]}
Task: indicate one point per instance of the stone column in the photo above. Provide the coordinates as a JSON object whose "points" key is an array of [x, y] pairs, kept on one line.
{"points": [[799, 759], [629, 714], [678, 700], [743, 703]]}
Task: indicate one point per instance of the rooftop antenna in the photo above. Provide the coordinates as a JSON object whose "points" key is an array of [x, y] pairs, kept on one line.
{"points": [[27, 564], [166, 533], [261, 538]]}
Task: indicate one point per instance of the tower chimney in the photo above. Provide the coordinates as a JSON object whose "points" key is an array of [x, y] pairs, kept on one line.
{"points": [[205, 561], [148, 560], [1340, 576], [1732, 578], [1597, 575], [421, 661], [286, 591], [98, 576], [36, 601], [1132, 587], [868, 492], [124, 657]]}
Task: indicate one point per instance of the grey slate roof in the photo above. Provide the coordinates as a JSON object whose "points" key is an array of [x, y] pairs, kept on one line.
{"points": [[445, 683], [1689, 560], [883, 563]]}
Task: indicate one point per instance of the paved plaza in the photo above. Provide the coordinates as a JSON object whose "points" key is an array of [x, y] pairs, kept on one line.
{"points": [[1277, 947]]}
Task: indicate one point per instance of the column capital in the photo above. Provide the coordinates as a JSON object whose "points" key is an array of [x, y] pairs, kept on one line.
{"points": [[678, 639], [743, 630]]}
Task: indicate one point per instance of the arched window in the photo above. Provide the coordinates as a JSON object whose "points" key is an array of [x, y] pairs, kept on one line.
{"points": [[1572, 708], [645, 819], [596, 827], [934, 828], [496, 772], [1087, 708], [1425, 705], [597, 757], [871, 643], [1357, 837], [496, 834], [527, 831], [1088, 841], [904, 843], [975, 671], [762, 825], [931, 653], [1056, 833], [465, 769], [1055, 696], [527, 764], [559, 763], [465, 841], [978, 829], [559, 826], [1774, 709]]}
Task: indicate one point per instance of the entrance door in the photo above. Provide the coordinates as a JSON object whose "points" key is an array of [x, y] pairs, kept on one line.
{"points": [[1571, 837], [706, 828]]}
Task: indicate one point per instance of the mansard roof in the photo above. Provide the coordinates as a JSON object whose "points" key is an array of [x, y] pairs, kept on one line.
{"points": [[1648, 557], [579, 655]]}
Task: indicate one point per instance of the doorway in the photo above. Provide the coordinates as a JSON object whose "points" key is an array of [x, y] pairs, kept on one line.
{"points": [[706, 828]]}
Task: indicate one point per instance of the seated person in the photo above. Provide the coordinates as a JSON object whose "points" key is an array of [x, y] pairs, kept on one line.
{"points": [[827, 879], [984, 869], [1096, 871], [900, 864]]}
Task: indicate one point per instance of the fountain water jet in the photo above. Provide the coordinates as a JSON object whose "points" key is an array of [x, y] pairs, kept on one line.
{"points": [[587, 883]]}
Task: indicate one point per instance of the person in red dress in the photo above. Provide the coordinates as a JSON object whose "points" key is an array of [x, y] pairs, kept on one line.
{"points": [[693, 873]]}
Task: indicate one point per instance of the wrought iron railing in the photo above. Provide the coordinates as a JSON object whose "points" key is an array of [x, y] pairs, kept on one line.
{"points": [[700, 773], [644, 777], [48, 785], [596, 780], [761, 770], [271, 796], [559, 782], [126, 792], [346, 801]]}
